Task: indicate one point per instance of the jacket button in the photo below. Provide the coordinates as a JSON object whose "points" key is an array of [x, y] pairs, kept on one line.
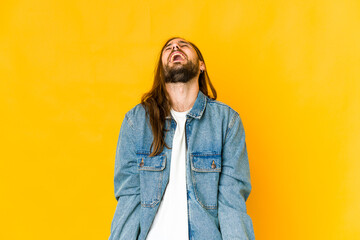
{"points": [[213, 165], [141, 163]]}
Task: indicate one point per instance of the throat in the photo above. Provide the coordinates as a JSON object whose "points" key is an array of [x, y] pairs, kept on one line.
{"points": [[182, 95]]}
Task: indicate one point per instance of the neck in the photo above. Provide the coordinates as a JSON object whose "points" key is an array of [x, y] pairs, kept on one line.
{"points": [[183, 95]]}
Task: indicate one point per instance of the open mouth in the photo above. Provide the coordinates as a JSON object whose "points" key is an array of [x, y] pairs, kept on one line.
{"points": [[177, 57]]}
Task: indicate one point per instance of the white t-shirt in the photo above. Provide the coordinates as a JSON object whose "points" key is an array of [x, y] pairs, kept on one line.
{"points": [[171, 220]]}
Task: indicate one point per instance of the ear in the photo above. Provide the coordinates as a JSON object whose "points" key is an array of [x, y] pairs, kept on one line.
{"points": [[202, 66]]}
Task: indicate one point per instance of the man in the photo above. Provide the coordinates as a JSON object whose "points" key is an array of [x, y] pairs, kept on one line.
{"points": [[181, 166]]}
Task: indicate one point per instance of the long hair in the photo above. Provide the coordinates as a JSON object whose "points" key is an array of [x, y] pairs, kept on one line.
{"points": [[157, 101]]}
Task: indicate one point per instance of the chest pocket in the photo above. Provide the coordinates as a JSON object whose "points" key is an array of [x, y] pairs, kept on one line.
{"points": [[206, 170], [151, 175]]}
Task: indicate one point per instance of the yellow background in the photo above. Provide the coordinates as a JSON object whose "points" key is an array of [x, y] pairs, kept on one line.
{"points": [[69, 71]]}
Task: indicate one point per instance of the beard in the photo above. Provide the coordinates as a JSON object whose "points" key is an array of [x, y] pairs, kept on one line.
{"points": [[182, 73]]}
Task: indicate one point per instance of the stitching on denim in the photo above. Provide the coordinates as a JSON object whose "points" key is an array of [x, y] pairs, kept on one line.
{"points": [[231, 124], [158, 194], [153, 169], [159, 186], [204, 170], [218, 102], [206, 154], [201, 111], [221, 103], [143, 152], [128, 119], [187, 196], [206, 206]]}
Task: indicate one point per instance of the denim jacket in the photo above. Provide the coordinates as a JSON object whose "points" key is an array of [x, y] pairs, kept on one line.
{"points": [[217, 174]]}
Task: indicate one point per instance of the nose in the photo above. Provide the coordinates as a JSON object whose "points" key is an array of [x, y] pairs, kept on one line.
{"points": [[175, 46]]}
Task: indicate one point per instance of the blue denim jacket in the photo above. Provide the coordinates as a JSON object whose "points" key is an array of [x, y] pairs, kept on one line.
{"points": [[217, 174]]}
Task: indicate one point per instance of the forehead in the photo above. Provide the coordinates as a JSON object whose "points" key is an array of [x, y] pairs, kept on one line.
{"points": [[176, 40]]}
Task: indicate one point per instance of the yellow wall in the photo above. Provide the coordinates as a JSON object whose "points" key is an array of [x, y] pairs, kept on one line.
{"points": [[69, 70]]}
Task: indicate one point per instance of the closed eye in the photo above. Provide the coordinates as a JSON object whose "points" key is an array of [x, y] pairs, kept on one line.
{"points": [[168, 48]]}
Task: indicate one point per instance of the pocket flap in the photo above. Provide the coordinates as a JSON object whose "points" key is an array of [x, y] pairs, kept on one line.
{"points": [[206, 162], [156, 163]]}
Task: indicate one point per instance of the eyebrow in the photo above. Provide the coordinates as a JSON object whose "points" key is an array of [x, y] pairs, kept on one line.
{"points": [[181, 41]]}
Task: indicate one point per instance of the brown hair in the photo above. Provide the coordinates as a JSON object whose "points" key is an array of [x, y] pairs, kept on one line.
{"points": [[157, 103]]}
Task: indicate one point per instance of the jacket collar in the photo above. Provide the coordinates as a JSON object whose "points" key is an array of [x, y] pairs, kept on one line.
{"points": [[198, 108]]}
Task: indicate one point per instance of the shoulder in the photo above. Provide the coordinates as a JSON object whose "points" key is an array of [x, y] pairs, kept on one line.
{"points": [[137, 110], [215, 106], [229, 116], [135, 114]]}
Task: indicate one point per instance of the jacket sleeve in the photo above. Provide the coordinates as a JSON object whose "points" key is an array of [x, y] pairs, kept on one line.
{"points": [[234, 185], [126, 221]]}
